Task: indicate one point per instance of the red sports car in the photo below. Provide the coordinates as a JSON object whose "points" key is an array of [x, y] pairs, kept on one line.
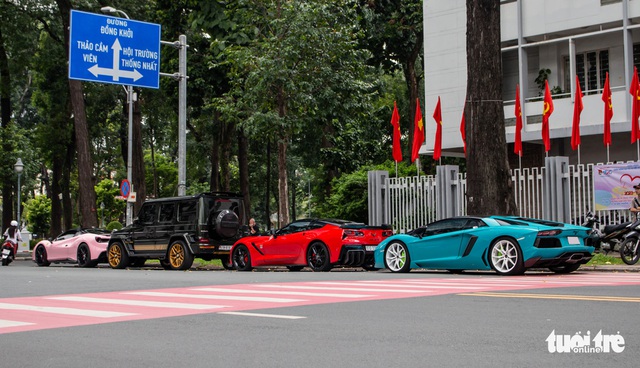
{"points": [[317, 243], [86, 247]]}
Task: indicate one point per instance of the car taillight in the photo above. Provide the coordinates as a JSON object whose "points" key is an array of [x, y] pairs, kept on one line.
{"points": [[549, 232], [387, 233], [352, 233]]}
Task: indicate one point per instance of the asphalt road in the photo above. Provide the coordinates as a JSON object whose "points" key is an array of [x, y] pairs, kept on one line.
{"points": [[501, 321]]}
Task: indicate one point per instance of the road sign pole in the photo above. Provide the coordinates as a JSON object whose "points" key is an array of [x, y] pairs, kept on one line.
{"points": [[130, 151]]}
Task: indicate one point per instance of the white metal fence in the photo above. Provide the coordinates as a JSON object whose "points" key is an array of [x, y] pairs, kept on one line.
{"points": [[411, 201]]}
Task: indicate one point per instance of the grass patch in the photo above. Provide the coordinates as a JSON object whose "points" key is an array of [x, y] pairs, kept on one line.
{"points": [[600, 259]]}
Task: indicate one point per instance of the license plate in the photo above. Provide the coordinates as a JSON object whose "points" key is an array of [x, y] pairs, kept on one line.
{"points": [[6, 252], [370, 248], [573, 240], [224, 247]]}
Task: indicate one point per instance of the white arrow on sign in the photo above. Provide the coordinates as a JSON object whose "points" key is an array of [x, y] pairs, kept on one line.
{"points": [[115, 72]]}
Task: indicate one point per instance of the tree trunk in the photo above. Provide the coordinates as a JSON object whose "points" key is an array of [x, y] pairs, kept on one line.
{"points": [[225, 156], [412, 85], [7, 158], [283, 190], [67, 203], [267, 208], [243, 163], [489, 186], [56, 194], [215, 156]]}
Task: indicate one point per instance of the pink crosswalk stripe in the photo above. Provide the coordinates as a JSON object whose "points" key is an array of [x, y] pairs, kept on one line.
{"points": [[57, 311]]}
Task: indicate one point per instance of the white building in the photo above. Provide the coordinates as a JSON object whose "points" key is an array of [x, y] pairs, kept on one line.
{"points": [[568, 37]]}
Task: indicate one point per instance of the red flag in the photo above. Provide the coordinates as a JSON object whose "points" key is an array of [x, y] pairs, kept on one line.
{"points": [[577, 110], [395, 121], [517, 143], [608, 111], [418, 132], [546, 112], [463, 132], [437, 147], [635, 106]]}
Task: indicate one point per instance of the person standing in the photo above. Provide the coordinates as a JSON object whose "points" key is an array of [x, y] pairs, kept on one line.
{"points": [[635, 203], [253, 227]]}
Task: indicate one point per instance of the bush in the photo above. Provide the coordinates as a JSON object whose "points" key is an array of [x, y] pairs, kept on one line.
{"points": [[114, 225]]}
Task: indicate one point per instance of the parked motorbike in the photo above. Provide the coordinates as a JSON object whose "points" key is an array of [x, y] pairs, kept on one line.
{"points": [[9, 251], [629, 247], [609, 239]]}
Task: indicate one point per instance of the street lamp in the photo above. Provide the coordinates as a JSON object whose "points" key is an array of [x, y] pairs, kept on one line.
{"points": [[18, 167], [130, 99]]}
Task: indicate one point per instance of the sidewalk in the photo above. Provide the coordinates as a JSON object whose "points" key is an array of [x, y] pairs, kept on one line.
{"points": [[596, 268]]}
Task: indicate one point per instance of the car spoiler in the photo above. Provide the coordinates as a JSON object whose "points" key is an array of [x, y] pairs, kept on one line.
{"points": [[367, 227]]}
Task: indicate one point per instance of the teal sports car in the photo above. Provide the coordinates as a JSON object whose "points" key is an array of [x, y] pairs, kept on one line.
{"points": [[506, 244]]}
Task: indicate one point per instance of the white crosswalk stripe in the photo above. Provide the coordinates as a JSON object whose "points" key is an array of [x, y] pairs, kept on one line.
{"points": [[62, 310], [280, 292], [138, 303], [218, 297], [5, 323], [310, 287]]}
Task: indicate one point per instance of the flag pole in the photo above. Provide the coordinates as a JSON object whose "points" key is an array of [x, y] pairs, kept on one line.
{"points": [[608, 154], [418, 166], [396, 169], [520, 160], [578, 155]]}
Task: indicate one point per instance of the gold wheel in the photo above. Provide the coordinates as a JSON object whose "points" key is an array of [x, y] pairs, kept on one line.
{"points": [[179, 256], [117, 256], [176, 255]]}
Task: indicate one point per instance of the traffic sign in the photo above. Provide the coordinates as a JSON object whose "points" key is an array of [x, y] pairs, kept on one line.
{"points": [[114, 50], [125, 188]]}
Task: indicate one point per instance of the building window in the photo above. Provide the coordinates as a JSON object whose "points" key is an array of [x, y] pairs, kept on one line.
{"points": [[591, 68]]}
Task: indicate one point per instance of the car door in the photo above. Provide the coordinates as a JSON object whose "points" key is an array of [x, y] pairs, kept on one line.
{"points": [[143, 229], [59, 249], [164, 227], [286, 244], [440, 243]]}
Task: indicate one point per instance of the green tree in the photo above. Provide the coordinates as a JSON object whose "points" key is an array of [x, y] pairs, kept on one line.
{"points": [[294, 76], [38, 214]]}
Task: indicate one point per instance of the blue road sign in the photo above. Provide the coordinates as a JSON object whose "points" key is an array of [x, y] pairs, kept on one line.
{"points": [[114, 50], [125, 188]]}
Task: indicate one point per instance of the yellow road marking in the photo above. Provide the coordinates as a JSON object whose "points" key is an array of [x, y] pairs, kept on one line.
{"points": [[556, 296]]}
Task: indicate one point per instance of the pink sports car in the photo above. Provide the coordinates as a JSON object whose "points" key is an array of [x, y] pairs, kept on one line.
{"points": [[86, 247]]}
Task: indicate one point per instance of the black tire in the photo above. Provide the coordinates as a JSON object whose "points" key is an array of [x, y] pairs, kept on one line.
{"points": [[165, 264], [84, 257], [397, 257], [179, 256], [241, 258], [567, 268], [41, 256], [295, 268], [138, 262], [505, 257], [6, 261], [318, 257], [629, 251], [117, 256], [226, 262]]}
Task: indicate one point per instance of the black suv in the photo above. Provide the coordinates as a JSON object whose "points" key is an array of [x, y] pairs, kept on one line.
{"points": [[178, 229]]}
